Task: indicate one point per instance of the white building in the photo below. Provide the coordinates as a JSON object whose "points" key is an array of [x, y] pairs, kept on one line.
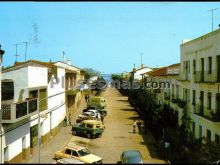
{"points": [[200, 82], [138, 73], [28, 86]]}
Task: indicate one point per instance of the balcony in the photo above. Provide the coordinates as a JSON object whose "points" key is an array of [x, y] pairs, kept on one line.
{"points": [[14, 112], [205, 112], [184, 76], [206, 77]]}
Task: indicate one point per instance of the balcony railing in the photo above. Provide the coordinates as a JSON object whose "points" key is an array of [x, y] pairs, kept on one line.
{"points": [[184, 76], [207, 113], [206, 76], [13, 112], [201, 76]]}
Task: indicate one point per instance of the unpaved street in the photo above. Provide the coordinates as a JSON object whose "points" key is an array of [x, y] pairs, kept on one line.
{"points": [[118, 135]]}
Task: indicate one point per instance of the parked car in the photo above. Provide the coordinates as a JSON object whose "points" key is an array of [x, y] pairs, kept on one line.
{"points": [[89, 115], [101, 111], [88, 128], [131, 157], [69, 161], [79, 153], [97, 101]]}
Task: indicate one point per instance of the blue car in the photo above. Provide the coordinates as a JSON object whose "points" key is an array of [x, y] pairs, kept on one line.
{"points": [[131, 157]]}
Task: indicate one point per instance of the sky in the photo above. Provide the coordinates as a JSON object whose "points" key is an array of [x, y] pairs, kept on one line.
{"points": [[106, 36]]}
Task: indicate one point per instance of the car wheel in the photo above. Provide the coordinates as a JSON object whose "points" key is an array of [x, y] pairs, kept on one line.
{"points": [[74, 132], [100, 135], [88, 135]]}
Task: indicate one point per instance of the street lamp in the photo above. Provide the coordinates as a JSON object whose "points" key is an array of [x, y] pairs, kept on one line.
{"points": [[1, 56]]}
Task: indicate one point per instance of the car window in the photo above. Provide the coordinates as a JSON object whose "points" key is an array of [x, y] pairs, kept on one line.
{"points": [[82, 125], [89, 126], [98, 126], [74, 153], [68, 151], [83, 152]]}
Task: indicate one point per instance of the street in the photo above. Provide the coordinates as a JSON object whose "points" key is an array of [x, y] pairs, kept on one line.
{"points": [[118, 135]]}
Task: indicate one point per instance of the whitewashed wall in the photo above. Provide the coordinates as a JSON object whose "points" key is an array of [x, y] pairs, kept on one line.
{"points": [[37, 76], [20, 78], [57, 103]]}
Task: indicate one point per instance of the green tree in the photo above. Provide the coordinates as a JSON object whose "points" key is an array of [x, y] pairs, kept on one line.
{"points": [[89, 72], [185, 126]]}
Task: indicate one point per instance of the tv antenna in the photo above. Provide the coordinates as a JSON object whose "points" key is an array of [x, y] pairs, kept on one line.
{"points": [[212, 10], [16, 47]]}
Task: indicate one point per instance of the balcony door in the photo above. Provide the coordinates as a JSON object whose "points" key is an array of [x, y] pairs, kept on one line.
{"points": [[201, 102], [202, 69], [218, 67]]}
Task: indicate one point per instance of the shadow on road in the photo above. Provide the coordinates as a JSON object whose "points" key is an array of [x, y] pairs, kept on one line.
{"points": [[123, 100], [127, 109]]}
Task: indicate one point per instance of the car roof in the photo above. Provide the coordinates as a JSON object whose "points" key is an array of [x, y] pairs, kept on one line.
{"points": [[97, 97], [91, 122], [73, 146], [131, 153]]}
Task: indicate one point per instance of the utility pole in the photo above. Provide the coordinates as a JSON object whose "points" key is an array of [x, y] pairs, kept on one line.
{"points": [[212, 10], [16, 55]]}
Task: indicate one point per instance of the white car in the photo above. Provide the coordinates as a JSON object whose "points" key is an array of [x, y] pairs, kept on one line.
{"points": [[95, 113]]}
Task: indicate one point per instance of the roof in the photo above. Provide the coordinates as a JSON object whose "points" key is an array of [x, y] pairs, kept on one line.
{"points": [[47, 64], [158, 72], [174, 65], [68, 64], [143, 68], [202, 37]]}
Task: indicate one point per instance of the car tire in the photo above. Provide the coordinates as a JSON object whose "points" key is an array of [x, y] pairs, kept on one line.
{"points": [[88, 135], [74, 132]]}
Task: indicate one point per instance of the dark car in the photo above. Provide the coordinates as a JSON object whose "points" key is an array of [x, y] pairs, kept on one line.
{"points": [[101, 111], [88, 128], [131, 157]]}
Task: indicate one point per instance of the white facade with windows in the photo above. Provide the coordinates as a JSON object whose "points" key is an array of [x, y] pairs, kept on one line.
{"points": [[31, 80]]}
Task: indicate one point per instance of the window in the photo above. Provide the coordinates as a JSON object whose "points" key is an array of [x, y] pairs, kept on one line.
{"points": [[68, 151], [194, 97], [209, 100], [208, 135], [217, 138], [194, 66], [89, 126], [210, 65], [74, 153], [200, 131], [43, 100], [7, 90], [33, 94], [21, 109], [193, 128]]}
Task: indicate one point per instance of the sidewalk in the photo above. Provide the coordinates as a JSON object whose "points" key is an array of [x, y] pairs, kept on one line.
{"points": [[57, 142]]}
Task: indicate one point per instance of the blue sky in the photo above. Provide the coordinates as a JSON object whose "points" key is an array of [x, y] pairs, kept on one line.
{"points": [[106, 36]]}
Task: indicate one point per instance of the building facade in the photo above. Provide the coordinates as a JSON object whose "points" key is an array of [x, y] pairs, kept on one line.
{"points": [[29, 87]]}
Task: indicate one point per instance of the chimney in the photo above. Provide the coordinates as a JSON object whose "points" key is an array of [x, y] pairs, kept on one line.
{"points": [[69, 62]]}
